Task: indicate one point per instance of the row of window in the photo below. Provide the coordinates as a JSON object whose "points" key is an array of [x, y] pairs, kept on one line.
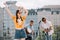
{"points": [[55, 12], [37, 14], [41, 9], [32, 13]]}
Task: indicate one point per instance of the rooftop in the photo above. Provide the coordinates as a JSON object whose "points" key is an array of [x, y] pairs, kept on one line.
{"points": [[51, 6], [11, 2]]}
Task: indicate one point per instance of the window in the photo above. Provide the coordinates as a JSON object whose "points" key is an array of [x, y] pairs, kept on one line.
{"points": [[33, 13], [57, 12], [36, 13], [52, 12]]}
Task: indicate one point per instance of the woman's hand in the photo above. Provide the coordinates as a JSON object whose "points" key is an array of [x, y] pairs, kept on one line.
{"points": [[26, 11], [5, 4], [23, 9]]}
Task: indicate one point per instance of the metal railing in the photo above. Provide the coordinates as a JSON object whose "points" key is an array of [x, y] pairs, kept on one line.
{"points": [[36, 36]]}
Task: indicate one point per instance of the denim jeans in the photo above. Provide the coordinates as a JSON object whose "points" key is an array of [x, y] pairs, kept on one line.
{"points": [[48, 37], [20, 34]]}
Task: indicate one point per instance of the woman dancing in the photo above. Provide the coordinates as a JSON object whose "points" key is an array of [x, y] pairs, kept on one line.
{"points": [[18, 20]]}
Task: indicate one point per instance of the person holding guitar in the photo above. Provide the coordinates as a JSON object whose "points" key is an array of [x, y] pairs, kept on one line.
{"points": [[47, 28]]}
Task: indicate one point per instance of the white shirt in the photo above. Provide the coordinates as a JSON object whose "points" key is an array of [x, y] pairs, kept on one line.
{"points": [[29, 28], [46, 25], [19, 21]]}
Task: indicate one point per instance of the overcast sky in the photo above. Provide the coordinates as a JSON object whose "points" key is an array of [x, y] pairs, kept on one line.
{"points": [[33, 3]]}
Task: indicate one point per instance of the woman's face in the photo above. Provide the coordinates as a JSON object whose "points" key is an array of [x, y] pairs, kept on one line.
{"points": [[19, 13]]}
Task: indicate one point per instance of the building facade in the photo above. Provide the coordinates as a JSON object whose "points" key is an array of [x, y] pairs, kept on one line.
{"points": [[51, 14], [1, 22]]}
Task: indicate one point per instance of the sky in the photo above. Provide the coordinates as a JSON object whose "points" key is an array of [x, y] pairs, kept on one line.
{"points": [[32, 3]]}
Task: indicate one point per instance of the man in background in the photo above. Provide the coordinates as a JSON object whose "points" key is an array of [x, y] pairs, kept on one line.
{"points": [[29, 30], [47, 28]]}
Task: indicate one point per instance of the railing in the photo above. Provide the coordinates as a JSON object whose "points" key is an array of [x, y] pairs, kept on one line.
{"points": [[37, 36], [55, 36]]}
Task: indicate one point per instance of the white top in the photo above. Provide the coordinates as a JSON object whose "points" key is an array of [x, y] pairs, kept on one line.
{"points": [[46, 25], [19, 21]]}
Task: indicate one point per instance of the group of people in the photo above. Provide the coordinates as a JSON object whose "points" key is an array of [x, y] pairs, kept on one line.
{"points": [[25, 33]]}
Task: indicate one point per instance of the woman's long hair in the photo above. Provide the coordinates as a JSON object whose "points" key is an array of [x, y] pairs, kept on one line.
{"points": [[17, 16]]}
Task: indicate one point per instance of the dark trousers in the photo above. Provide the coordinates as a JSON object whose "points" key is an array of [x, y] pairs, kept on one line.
{"points": [[29, 38]]}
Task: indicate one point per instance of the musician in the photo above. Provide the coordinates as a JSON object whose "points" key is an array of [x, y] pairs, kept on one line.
{"points": [[47, 28]]}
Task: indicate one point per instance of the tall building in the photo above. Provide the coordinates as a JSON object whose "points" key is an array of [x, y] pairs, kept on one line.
{"points": [[51, 12], [9, 27], [1, 22]]}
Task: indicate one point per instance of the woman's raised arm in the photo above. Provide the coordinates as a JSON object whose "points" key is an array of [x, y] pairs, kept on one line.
{"points": [[23, 9], [26, 12], [7, 9]]}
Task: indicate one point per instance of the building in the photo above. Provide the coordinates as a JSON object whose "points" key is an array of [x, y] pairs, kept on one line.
{"points": [[51, 12], [1, 23], [32, 15], [9, 28]]}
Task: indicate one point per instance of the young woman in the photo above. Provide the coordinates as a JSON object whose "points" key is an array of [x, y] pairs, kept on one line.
{"points": [[19, 22]]}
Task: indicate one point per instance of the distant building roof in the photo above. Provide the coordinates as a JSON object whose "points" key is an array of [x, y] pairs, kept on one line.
{"points": [[51, 6], [31, 11], [11, 2]]}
